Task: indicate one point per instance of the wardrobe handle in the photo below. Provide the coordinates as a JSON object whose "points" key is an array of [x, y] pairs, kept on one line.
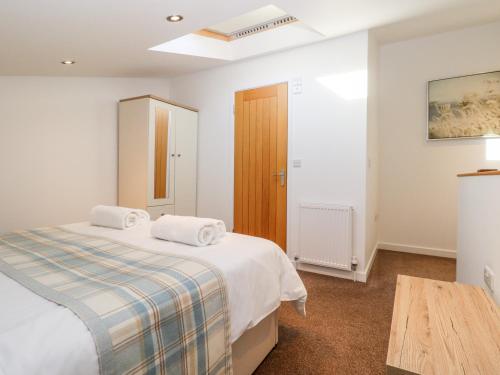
{"points": [[178, 155], [172, 155]]}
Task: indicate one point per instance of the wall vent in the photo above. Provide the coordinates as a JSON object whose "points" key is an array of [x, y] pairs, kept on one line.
{"points": [[268, 25], [262, 27]]}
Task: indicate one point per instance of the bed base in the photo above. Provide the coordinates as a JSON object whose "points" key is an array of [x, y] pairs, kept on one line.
{"points": [[254, 345]]}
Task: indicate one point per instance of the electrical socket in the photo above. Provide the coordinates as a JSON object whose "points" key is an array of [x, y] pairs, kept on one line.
{"points": [[489, 278]]}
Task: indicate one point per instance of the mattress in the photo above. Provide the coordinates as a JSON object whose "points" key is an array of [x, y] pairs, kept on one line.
{"points": [[38, 336]]}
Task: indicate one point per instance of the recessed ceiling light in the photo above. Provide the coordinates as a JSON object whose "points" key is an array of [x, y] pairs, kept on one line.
{"points": [[175, 18], [68, 62]]}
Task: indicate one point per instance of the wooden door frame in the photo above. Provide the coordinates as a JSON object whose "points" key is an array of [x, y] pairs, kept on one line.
{"points": [[289, 150]]}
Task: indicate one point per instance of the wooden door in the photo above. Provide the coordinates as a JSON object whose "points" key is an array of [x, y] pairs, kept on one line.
{"points": [[260, 162]]}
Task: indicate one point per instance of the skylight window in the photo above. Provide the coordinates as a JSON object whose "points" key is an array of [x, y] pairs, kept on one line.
{"points": [[255, 17], [264, 30], [259, 20]]}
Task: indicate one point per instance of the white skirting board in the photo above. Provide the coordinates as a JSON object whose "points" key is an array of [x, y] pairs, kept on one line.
{"points": [[362, 275], [444, 253], [328, 271]]}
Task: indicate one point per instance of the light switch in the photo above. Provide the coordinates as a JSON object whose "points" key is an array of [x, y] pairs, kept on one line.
{"points": [[297, 86], [297, 163]]}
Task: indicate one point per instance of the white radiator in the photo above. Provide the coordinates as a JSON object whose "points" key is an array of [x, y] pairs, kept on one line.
{"points": [[325, 235]]}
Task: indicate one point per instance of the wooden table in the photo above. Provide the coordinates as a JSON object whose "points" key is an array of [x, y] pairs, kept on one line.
{"points": [[442, 328]]}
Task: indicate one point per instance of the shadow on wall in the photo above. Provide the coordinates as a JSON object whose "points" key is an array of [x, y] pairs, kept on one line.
{"points": [[349, 86]]}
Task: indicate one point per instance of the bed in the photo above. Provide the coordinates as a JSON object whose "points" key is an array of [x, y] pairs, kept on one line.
{"points": [[40, 336]]}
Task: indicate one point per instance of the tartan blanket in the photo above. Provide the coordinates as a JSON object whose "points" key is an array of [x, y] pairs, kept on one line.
{"points": [[148, 313]]}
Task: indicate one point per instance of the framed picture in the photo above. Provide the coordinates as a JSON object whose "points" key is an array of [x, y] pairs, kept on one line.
{"points": [[464, 107]]}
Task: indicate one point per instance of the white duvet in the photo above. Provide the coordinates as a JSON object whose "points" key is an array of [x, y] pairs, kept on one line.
{"points": [[40, 337]]}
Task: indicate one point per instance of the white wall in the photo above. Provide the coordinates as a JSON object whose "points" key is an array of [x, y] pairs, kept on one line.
{"points": [[372, 170], [58, 150], [418, 183], [327, 132]]}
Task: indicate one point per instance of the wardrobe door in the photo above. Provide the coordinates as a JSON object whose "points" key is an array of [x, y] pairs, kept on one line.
{"points": [[186, 145], [133, 151], [161, 166]]}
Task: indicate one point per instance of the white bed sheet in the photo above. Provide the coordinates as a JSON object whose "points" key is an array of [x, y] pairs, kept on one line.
{"points": [[39, 336]]}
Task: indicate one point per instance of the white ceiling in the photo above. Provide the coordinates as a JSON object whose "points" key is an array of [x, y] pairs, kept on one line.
{"points": [[112, 37]]}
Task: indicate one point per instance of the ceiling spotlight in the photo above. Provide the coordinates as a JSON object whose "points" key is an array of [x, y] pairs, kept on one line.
{"points": [[68, 62], [175, 18]]}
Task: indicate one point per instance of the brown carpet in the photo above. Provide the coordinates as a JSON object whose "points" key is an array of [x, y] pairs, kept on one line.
{"points": [[347, 327]]}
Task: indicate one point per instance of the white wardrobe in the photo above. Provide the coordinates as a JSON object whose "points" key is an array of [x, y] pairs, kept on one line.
{"points": [[157, 156]]}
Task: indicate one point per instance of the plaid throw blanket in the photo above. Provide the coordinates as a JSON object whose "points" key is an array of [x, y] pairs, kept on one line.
{"points": [[148, 313]]}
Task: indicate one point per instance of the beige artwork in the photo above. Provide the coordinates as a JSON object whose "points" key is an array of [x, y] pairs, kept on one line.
{"points": [[466, 106]]}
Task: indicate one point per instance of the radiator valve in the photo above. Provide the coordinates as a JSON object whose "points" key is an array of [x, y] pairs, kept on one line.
{"points": [[354, 263]]}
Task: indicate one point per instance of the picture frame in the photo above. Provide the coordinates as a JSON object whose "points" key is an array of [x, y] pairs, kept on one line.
{"points": [[464, 107]]}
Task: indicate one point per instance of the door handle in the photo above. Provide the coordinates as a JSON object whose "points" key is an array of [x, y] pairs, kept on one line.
{"points": [[281, 175]]}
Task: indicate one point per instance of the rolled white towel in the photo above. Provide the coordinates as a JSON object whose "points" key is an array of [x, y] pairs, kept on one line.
{"points": [[190, 230], [220, 230], [117, 217]]}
